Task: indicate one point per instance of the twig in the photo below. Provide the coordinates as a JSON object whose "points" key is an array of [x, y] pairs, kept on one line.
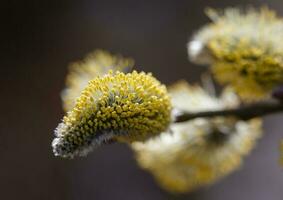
{"points": [[245, 112]]}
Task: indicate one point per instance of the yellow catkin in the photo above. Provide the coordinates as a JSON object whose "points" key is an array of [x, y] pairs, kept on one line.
{"points": [[201, 151], [115, 107], [244, 50], [94, 64]]}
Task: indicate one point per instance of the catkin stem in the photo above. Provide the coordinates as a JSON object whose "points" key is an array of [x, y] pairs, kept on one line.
{"points": [[244, 112]]}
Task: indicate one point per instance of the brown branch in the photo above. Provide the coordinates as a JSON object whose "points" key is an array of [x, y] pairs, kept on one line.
{"points": [[245, 112]]}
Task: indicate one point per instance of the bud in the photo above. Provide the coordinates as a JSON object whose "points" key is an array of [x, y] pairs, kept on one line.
{"points": [[277, 93]]}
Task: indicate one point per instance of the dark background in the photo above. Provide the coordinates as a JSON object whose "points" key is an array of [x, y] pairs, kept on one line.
{"points": [[39, 40]]}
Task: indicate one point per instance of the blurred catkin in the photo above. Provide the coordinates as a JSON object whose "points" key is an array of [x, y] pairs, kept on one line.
{"points": [[96, 63], [244, 49], [200, 151]]}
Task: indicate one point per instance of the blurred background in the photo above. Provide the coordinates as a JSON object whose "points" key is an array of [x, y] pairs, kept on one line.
{"points": [[39, 40]]}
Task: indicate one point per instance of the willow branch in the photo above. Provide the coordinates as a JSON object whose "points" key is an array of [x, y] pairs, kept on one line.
{"points": [[244, 112]]}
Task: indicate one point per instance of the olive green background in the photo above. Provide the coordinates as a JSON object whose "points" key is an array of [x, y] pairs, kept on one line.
{"points": [[39, 40]]}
